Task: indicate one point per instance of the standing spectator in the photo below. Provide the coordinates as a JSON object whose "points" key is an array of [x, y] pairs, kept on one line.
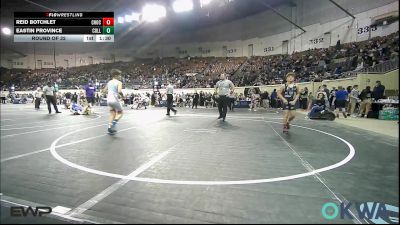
{"points": [[274, 95], [201, 98], [68, 97], [322, 91], [208, 100], [81, 97], [332, 97], [326, 90], [97, 98], [75, 98], [59, 97], [366, 101], [253, 104], [38, 97], [131, 97], [3, 97], [340, 101], [379, 91], [353, 100], [310, 100], [232, 98], [264, 99], [195, 99], [153, 99], [49, 92], [348, 89], [90, 90], [338, 45], [303, 98], [159, 99]]}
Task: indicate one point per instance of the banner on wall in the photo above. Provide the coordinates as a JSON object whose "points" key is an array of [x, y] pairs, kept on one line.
{"points": [[316, 42], [363, 29]]}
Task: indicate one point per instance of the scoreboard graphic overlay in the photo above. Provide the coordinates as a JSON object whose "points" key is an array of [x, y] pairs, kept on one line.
{"points": [[63, 26]]}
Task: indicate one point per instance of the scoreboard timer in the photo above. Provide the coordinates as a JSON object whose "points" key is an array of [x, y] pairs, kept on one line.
{"points": [[63, 26]]}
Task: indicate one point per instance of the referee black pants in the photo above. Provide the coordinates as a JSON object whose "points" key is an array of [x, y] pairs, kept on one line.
{"points": [[223, 102], [50, 99], [195, 103], [170, 102], [37, 103]]}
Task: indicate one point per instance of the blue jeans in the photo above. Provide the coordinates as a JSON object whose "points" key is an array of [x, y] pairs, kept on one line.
{"points": [[314, 111]]}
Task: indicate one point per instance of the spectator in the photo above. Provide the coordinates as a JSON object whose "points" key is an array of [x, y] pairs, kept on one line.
{"points": [[340, 101], [354, 99], [326, 90], [196, 97], [313, 64], [366, 101], [74, 98], [348, 89], [3, 97], [318, 106], [332, 97], [310, 100], [201, 98], [304, 98], [338, 45], [379, 90], [38, 97], [274, 96], [264, 99]]}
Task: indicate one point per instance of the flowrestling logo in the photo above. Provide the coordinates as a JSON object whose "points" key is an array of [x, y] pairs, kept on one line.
{"points": [[375, 212]]}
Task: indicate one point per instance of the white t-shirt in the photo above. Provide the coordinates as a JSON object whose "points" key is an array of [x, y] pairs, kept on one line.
{"points": [[38, 94], [48, 90], [224, 87], [170, 89]]}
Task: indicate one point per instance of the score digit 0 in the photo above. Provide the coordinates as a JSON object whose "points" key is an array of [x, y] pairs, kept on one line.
{"points": [[108, 30], [108, 21]]}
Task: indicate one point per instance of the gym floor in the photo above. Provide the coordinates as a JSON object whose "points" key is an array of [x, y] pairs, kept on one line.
{"points": [[189, 168]]}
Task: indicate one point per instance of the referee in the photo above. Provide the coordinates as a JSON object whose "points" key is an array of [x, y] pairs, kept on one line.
{"points": [[49, 92], [170, 98], [223, 88]]}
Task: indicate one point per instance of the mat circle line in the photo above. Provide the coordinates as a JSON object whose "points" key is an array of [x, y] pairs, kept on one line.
{"points": [[187, 182]]}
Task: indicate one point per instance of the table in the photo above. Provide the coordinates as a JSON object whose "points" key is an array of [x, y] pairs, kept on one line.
{"points": [[377, 106]]}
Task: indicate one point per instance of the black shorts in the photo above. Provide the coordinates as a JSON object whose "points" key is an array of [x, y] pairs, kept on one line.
{"points": [[340, 104], [90, 99], [289, 107]]}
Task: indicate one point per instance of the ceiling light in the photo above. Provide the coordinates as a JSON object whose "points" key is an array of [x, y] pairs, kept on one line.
{"points": [[6, 30], [153, 12], [120, 19], [182, 5]]}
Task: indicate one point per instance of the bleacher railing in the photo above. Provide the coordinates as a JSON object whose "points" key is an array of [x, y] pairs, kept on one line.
{"points": [[383, 67]]}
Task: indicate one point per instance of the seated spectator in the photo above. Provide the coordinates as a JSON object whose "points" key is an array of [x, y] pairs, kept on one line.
{"points": [[319, 106]]}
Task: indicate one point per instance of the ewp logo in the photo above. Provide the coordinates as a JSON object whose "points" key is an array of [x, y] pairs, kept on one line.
{"points": [[377, 213]]}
